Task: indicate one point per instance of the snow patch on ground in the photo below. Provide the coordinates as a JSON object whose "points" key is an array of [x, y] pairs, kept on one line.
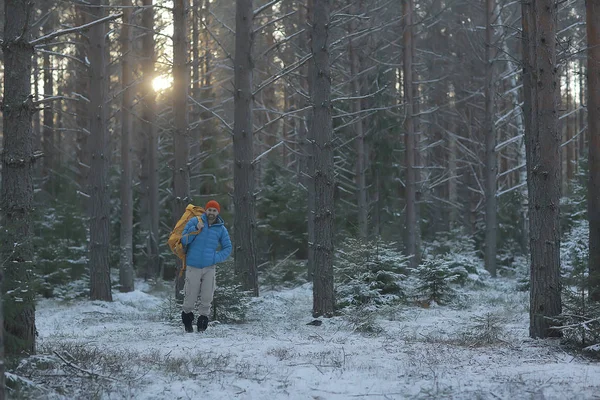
{"points": [[125, 351]]}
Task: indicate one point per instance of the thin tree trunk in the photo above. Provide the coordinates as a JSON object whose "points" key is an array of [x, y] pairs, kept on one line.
{"points": [[37, 126], [100, 286], [181, 135], [410, 140], [543, 142], [207, 49], [195, 149], [569, 121], [361, 181], [16, 202], [82, 89], [244, 173], [491, 161], [452, 182], [126, 254], [149, 167], [582, 112], [48, 114], [324, 179], [308, 158], [593, 91]]}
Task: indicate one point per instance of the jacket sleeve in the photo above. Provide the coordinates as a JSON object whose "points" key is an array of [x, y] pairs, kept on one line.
{"points": [[190, 231], [225, 251]]}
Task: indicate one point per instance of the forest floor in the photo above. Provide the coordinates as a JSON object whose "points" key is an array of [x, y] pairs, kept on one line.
{"points": [[127, 349]]}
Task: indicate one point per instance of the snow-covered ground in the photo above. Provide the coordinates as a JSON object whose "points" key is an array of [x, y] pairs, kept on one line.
{"points": [[127, 350]]}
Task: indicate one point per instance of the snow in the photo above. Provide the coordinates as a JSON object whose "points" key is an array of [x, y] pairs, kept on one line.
{"points": [[413, 352]]}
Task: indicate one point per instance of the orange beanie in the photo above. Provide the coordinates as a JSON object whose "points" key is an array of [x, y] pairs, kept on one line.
{"points": [[212, 204]]}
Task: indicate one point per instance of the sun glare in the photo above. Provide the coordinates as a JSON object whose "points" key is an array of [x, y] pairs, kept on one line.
{"points": [[161, 83]]}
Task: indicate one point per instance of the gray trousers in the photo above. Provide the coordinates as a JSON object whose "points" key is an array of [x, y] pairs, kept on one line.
{"points": [[199, 281]]}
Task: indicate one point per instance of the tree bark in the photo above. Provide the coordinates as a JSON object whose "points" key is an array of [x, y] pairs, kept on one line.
{"points": [[181, 135], [37, 123], [307, 134], [82, 89], [361, 163], [582, 112], [126, 234], [149, 168], [100, 286], [491, 161], [322, 149], [543, 142], [16, 202], [48, 114], [409, 136], [593, 92], [244, 172], [196, 134], [570, 124]]}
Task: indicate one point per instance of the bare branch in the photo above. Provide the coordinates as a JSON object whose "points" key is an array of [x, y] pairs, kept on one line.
{"points": [[271, 22], [54, 98], [283, 73], [75, 29], [266, 152], [229, 128], [282, 41], [287, 114], [263, 8]]}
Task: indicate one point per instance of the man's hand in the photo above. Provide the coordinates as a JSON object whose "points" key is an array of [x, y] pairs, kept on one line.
{"points": [[200, 224]]}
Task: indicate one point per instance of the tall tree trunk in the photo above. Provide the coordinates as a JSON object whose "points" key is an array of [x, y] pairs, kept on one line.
{"points": [[207, 49], [308, 136], [243, 172], [195, 148], [48, 120], [100, 287], [322, 149], [582, 112], [409, 135], [181, 135], [593, 92], [521, 154], [491, 160], [361, 181], [16, 202], [543, 140], [453, 172], [126, 261], [37, 126], [149, 168], [82, 89], [570, 123]]}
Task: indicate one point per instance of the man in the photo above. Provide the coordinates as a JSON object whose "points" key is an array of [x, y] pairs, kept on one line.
{"points": [[201, 237]]}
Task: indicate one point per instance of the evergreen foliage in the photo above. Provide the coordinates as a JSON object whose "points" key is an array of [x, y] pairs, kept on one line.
{"points": [[60, 244], [436, 277], [231, 302], [457, 251], [369, 273], [281, 215]]}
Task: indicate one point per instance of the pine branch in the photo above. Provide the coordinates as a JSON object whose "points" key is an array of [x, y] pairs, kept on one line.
{"points": [[75, 29]]}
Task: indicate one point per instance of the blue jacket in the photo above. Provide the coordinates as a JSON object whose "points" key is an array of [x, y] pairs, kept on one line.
{"points": [[201, 248]]}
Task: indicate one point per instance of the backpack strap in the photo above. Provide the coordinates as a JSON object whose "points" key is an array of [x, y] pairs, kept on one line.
{"points": [[183, 266]]}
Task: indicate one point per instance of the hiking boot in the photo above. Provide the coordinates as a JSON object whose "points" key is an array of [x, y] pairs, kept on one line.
{"points": [[187, 319], [202, 323]]}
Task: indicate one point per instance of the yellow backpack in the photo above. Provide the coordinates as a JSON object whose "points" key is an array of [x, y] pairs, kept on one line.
{"points": [[174, 241]]}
